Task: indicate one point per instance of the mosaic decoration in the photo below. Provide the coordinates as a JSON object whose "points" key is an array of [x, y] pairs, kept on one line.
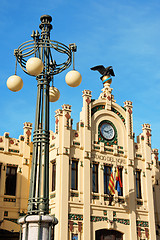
{"points": [[82, 124], [95, 197], [121, 200], [105, 212], [76, 134], [122, 221], [53, 145], [119, 115], [6, 213], [138, 155], [142, 137], [120, 147], [111, 142], [88, 100], [142, 223], [76, 143], [1, 149], [123, 108], [109, 150], [12, 165], [75, 217], [1, 140], [6, 135], [74, 194], [96, 147], [130, 120], [97, 108], [139, 203], [118, 220], [98, 219], [68, 117], [120, 152], [57, 125], [9, 200], [21, 138], [11, 141], [88, 111], [148, 137], [13, 150], [53, 195]]}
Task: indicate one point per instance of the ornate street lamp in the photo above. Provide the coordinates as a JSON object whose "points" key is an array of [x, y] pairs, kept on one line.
{"points": [[37, 223]]}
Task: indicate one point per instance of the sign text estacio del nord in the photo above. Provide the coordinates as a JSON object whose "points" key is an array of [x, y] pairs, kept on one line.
{"points": [[108, 159]]}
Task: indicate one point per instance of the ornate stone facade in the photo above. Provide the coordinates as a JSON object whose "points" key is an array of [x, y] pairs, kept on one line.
{"points": [[79, 161]]}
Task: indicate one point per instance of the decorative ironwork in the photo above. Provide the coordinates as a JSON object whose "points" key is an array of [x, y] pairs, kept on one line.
{"points": [[42, 47]]}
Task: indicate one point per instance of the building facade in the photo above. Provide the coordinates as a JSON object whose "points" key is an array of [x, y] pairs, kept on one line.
{"points": [[81, 163]]}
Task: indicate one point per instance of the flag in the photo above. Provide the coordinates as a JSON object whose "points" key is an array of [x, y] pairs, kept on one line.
{"points": [[111, 186], [118, 182]]}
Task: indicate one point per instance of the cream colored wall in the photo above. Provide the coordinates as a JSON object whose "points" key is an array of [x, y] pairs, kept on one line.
{"points": [[15, 152], [84, 152], [67, 144]]}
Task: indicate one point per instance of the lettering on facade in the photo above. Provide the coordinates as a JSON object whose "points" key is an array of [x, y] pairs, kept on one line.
{"points": [[108, 159]]}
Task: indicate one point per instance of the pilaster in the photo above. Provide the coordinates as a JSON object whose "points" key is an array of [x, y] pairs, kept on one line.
{"points": [[63, 135], [86, 118], [149, 189], [131, 180]]}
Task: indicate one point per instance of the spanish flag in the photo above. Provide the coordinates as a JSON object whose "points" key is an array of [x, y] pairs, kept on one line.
{"points": [[111, 186]]}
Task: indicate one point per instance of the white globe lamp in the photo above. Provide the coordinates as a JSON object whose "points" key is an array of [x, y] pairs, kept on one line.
{"points": [[34, 66], [73, 78], [14, 83], [54, 94]]}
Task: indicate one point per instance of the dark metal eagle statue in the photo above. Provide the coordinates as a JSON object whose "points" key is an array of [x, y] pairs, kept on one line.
{"points": [[108, 71]]}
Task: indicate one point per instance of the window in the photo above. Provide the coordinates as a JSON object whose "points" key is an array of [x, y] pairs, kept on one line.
{"points": [[95, 178], [11, 178], [74, 236], [107, 173], [138, 184], [74, 175], [53, 176]]}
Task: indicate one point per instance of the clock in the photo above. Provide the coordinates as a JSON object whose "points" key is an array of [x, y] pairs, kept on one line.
{"points": [[107, 131]]}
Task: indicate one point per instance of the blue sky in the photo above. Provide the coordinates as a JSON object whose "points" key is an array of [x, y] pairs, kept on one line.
{"points": [[124, 34]]}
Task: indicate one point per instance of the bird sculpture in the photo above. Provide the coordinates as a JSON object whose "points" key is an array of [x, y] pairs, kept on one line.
{"points": [[108, 71]]}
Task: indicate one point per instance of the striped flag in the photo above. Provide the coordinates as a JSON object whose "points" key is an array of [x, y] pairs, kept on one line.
{"points": [[111, 186], [118, 181]]}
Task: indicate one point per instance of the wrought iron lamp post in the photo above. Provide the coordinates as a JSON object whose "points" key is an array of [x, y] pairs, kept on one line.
{"points": [[37, 223]]}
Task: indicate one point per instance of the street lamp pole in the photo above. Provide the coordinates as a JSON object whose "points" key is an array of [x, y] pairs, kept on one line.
{"points": [[37, 223]]}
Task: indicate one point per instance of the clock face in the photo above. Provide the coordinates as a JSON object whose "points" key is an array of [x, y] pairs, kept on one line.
{"points": [[107, 131]]}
